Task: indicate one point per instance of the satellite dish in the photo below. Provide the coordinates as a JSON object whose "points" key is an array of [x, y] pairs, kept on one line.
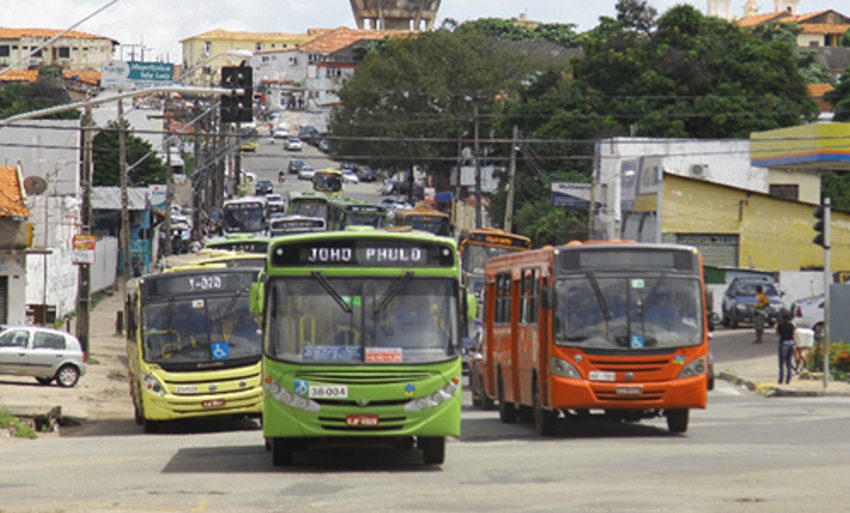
{"points": [[34, 185]]}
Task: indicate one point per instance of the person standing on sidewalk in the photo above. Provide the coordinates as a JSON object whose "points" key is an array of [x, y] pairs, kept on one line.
{"points": [[785, 329], [760, 310]]}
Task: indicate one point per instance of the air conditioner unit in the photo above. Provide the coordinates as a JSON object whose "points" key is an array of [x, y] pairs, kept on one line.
{"points": [[699, 170]]}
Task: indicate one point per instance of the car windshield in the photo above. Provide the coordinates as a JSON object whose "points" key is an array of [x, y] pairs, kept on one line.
{"points": [[200, 331], [309, 208], [475, 256], [244, 217], [379, 320], [623, 313], [749, 289]]}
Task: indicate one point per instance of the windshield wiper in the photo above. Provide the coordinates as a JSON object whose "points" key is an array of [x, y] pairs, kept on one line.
{"points": [[606, 314], [394, 289], [331, 291]]}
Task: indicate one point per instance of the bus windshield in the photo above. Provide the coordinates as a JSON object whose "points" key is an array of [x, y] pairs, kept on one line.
{"points": [[475, 256], [194, 331], [244, 217], [628, 313], [309, 208], [379, 320], [327, 182], [376, 220], [431, 224]]}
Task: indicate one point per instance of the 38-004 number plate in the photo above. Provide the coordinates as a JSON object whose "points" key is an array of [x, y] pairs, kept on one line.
{"points": [[328, 391]]}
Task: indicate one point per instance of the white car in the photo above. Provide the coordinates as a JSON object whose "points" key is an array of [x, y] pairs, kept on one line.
{"points": [[306, 173], [42, 353], [293, 144], [808, 313], [281, 133], [348, 176]]}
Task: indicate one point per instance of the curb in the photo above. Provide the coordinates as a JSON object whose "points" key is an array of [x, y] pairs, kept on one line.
{"points": [[774, 390]]}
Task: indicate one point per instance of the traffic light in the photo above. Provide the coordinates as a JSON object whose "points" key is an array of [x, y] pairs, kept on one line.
{"points": [[237, 108], [822, 226]]}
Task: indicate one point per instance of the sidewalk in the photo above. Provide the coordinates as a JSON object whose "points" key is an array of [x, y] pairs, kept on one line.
{"points": [[755, 366], [101, 394]]}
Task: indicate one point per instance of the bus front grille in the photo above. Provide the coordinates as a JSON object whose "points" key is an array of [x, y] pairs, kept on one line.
{"points": [[371, 377]]}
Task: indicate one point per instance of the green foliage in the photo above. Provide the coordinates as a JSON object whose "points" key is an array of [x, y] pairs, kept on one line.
{"points": [[839, 98], [845, 39], [18, 98], [22, 430], [546, 224], [563, 34], [836, 186], [105, 154], [839, 360]]}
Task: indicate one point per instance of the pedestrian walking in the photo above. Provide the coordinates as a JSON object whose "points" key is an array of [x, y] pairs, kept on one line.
{"points": [[785, 329], [760, 311]]}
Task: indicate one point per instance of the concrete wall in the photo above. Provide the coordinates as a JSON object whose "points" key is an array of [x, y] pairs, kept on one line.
{"points": [[49, 149], [104, 271], [13, 265], [807, 181], [775, 234]]}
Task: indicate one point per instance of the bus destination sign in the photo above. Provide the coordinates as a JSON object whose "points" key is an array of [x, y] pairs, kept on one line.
{"points": [[172, 284], [246, 246], [363, 253]]}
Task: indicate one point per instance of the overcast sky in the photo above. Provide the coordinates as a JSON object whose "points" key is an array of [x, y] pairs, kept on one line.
{"points": [[161, 24]]}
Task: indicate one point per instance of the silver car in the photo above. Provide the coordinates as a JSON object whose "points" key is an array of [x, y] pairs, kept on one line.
{"points": [[43, 353]]}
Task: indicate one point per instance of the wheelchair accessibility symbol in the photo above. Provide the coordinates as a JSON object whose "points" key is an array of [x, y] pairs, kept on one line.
{"points": [[302, 386], [220, 350]]}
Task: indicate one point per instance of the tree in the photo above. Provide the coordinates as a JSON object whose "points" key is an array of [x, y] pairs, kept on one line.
{"points": [[105, 155], [24, 97], [839, 98], [845, 39], [563, 34]]}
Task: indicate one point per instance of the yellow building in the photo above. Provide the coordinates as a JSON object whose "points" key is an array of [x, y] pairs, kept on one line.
{"points": [[74, 50], [817, 29], [205, 54], [738, 228]]}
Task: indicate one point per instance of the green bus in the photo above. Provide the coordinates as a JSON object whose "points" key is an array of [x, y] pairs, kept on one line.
{"points": [[345, 212], [307, 204], [244, 242], [362, 336]]}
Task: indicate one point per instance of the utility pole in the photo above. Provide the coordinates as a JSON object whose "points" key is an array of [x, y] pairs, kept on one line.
{"points": [[196, 181], [509, 202], [169, 193], [827, 281], [478, 210], [125, 208], [84, 273]]}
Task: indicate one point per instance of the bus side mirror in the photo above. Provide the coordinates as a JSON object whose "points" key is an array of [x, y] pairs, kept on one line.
{"points": [[257, 294], [471, 306]]}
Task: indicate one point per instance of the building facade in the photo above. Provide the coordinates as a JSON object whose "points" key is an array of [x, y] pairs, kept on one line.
{"points": [[74, 50], [14, 243]]}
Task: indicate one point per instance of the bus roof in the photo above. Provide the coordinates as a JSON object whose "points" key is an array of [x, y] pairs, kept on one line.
{"points": [[311, 195]]}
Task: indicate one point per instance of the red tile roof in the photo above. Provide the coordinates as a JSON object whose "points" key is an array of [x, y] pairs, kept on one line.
{"points": [[19, 75], [343, 36], [816, 91], [86, 76], [11, 197], [18, 33]]}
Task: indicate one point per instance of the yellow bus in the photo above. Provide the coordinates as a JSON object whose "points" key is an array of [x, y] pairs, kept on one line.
{"points": [[193, 347]]}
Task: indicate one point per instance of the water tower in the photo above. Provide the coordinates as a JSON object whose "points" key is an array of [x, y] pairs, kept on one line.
{"points": [[787, 5], [720, 9], [416, 15]]}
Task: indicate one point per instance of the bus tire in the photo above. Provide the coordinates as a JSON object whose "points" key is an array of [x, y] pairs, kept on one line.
{"points": [[677, 420], [545, 421], [433, 449], [137, 415], [283, 451], [507, 412]]}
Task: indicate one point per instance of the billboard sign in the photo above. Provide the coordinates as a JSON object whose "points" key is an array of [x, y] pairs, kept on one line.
{"points": [[84, 249], [135, 75], [571, 195]]}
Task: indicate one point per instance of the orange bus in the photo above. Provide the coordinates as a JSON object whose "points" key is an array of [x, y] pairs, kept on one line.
{"points": [[587, 328]]}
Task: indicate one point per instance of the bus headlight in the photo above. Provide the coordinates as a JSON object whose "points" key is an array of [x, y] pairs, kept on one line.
{"points": [[697, 367], [152, 385], [437, 398], [563, 368], [286, 397]]}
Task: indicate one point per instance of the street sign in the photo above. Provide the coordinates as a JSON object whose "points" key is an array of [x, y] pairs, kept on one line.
{"points": [[135, 75], [571, 195], [84, 249]]}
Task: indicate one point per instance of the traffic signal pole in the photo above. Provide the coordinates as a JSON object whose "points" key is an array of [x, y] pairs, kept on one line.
{"points": [[827, 282]]}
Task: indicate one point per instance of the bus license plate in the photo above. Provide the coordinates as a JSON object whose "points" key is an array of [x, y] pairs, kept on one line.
{"points": [[214, 403], [328, 391], [361, 420], [602, 376], [630, 390]]}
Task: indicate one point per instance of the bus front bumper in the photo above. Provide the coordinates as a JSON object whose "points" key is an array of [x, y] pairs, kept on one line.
{"points": [[566, 394]]}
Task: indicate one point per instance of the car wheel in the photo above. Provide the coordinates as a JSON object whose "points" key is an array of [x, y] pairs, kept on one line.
{"points": [[67, 376], [44, 381], [433, 449], [677, 420]]}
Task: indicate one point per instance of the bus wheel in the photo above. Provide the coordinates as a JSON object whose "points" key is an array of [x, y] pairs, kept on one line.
{"points": [[507, 412], [545, 421], [433, 449], [282, 452], [677, 420], [137, 415]]}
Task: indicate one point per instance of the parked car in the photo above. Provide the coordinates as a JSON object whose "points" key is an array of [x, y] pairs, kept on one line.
{"points": [[306, 172], [294, 144], [263, 187], [42, 353], [294, 166], [348, 176], [740, 298], [365, 174], [808, 313]]}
